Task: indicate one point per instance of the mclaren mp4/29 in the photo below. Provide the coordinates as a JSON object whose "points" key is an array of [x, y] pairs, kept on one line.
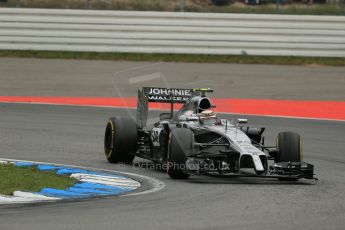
{"points": [[194, 140]]}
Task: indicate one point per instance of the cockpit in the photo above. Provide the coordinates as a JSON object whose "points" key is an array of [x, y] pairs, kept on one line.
{"points": [[197, 109]]}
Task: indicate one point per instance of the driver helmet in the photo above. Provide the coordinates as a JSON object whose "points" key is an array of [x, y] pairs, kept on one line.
{"points": [[207, 117]]}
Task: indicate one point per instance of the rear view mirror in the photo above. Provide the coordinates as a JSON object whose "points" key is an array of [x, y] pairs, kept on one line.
{"points": [[242, 121]]}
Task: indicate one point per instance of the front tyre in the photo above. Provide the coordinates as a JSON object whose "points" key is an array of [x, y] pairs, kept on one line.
{"points": [[289, 147], [120, 140], [180, 145]]}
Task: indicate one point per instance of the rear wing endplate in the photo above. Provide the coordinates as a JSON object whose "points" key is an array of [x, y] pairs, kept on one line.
{"points": [[142, 109]]}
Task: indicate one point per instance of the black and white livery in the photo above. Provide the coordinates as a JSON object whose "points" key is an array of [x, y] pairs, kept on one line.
{"points": [[194, 140]]}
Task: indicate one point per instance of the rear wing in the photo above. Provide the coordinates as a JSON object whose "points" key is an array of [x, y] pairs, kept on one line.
{"points": [[164, 95]]}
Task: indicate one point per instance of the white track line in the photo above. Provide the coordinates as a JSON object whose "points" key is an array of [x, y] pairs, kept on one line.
{"points": [[25, 197], [34, 196]]}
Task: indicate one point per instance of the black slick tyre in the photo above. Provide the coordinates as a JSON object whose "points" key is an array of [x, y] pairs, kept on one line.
{"points": [[289, 146], [180, 145], [120, 140]]}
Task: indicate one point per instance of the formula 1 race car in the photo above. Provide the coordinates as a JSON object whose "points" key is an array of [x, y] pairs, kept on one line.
{"points": [[194, 140]]}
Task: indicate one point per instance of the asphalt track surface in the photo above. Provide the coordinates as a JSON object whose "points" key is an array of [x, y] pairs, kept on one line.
{"points": [[44, 77], [74, 135]]}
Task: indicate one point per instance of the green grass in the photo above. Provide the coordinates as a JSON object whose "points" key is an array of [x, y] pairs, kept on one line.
{"points": [[14, 178], [240, 59], [238, 6]]}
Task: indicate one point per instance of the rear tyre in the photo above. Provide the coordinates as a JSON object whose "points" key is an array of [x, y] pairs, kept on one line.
{"points": [[120, 140], [180, 145], [289, 146]]}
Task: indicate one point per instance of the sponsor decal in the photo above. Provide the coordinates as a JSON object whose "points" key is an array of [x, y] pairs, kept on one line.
{"points": [[166, 98], [167, 95]]}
